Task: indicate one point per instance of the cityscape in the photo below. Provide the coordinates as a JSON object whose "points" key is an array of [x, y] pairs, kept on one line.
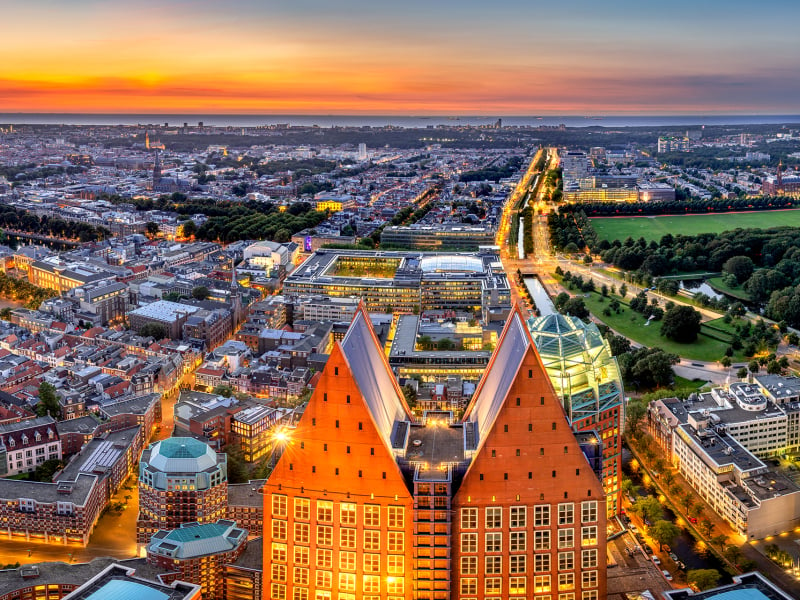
{"points": [[383, 302]]}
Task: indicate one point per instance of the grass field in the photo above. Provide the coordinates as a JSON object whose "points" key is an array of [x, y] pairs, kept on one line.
{"points": [[653, 228], [718, 284]]}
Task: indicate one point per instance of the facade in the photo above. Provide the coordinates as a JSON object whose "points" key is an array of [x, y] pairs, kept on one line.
{"points": [[367, 503], [252, 430], [53, 273], [586, 377], [403, 282], [171, 315], [27, 444], [181, 480], [109, 300], [435, 237], [197, 554]]}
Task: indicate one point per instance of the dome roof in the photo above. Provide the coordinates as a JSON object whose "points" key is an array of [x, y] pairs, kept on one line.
{"points": [[182, 455], [451, 263]]}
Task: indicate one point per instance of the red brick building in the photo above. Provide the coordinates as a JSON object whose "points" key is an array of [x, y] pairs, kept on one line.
{"points": [[368, 503]]}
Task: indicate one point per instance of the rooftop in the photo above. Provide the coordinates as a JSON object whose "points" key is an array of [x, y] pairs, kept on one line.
{"points": [[193, 540], [182, 455]]}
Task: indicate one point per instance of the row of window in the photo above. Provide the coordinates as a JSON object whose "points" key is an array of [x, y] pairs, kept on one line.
{"points": [[346, 590], [518, 540], [519, 585], [347, 512], [325, 578], [518, 563], [301, 534], [324, 559], [518, 515]]}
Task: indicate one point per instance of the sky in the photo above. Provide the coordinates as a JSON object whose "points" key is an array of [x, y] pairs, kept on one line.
{"points": [[408, 57]]}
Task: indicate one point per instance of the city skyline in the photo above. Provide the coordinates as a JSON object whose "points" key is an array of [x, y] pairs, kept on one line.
{"points": [[411, 58]]}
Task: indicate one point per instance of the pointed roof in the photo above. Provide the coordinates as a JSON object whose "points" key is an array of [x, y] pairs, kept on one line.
{"points": [[373, 376]]}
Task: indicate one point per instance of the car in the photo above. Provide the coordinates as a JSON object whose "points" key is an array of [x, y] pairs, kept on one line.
{"points": [[673, 556], [655, 559], [634, 529], [666, 575], [648, 550], [693, 519]]}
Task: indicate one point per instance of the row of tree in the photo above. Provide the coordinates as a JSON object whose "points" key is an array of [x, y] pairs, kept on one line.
{"points": [[682, 206], [22, 220]]}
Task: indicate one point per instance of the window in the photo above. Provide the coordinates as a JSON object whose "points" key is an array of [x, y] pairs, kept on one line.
{"points": [[347, 561], [278, 591], [566, 581], [278, 530], [302, 509], [372, 563], [372, 515], [516, 585], [541, 540], [494, 517], [469, 565], [518, 542], [278, 552], [469, 518], [518, 516], [518, 563], [347, 513], [541, 515], [590, 595], [395, 565], [278, 572], [469, 542], [324, 535], [589, 579], [347, 582], [372, 540], [324, 558], [396, 541], [396, 585], [469, 585], [541, 563], [566, 561], [324, 579], [324, 511], [301, 533], [569, 596], [301, 555], [347, 538], [372, 584], [566, 513], [589, 559], [492, 585], [566, 538], [541, 583], [494, 542], [589, 511], [589, 535], [396, 517], [493, 565], [278, 506], [300, 576]]}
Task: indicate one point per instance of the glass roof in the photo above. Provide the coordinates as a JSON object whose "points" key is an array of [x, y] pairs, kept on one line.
{"points": [[118, 589], [451, 263]]}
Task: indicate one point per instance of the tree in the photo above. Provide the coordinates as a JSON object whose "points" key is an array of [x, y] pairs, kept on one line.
{"points": [[733, 554], [664, 532], [200, 292], [726, 361], [703, 579], [188, 229], [740, 267], [648, 367], [623, 291], [576, 308], [46, 470], [753, 366], [681, 323], [151, 229], [773, 367], [633, 417], [410, 394], [648, 508], [223, 390], [617, 343], [793, 339], [742, 372], [154, 330], [706, 527], [48, 402], [445, 344]]}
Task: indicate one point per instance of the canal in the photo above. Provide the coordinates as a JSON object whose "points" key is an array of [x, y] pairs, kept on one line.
{"points": [[685, 547], [544, 306]]}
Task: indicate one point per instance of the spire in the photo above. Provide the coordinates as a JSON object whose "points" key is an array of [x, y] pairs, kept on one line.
{"points": [[157, 168], [779, 181]]}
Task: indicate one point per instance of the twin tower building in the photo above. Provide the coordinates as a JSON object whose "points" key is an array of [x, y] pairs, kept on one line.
{"points": [[368, 502]]}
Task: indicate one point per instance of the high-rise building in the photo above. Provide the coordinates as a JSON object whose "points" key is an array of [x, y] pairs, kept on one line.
{"points": [[586, 378], [181, 480], [366, 502]]}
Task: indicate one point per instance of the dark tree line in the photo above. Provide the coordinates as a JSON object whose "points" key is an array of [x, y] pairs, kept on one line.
{"points": [[681, 207], [22, 220]]}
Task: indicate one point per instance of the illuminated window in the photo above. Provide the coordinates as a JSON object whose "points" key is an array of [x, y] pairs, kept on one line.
{"points": [[396, 541], [395, 564], [469, 518], [300, 593], [278, 529], [372, 563], [278, 591], [324, 558], [589, 579], [541, 515], [589, 535], [278, 506], [494, 542], [567, 596], [493, 565], [566, 538], [279, 552], [494, 517], [324, 579], [302, 509], [566, 561], [516, 585], [541, 583], [278, 572], [469, 542], [372, 540], [566, 581], [541, 563], [300, 576], [324, 511], [301, 533], [347, 561], [396, 585], [519, 541], [347, 513], [371, 584], [372, 515], [518, 516], [518, 563], [589, 559], [469, 585], [492, 585], [347, 538], [589, 511], [324, 535], [590, 595], [469, 565], [566, 513], [396, 517]]}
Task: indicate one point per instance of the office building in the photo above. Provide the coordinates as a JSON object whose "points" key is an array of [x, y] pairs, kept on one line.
{"points": [[181, 480], [439, 236], [366, 502], [171, 315], [586, 377]]}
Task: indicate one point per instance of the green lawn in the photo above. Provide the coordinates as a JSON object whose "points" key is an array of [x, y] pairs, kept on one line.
{"points": [[737, 292], [653, 228], [681, 383], [632, 325]]}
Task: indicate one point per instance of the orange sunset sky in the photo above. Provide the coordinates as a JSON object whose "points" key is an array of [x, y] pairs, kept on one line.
{"points": [[411, 57]]}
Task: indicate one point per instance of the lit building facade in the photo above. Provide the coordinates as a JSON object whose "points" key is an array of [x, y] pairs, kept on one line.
{"points": [[368, 503], [181, 480], [586, 377]]}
